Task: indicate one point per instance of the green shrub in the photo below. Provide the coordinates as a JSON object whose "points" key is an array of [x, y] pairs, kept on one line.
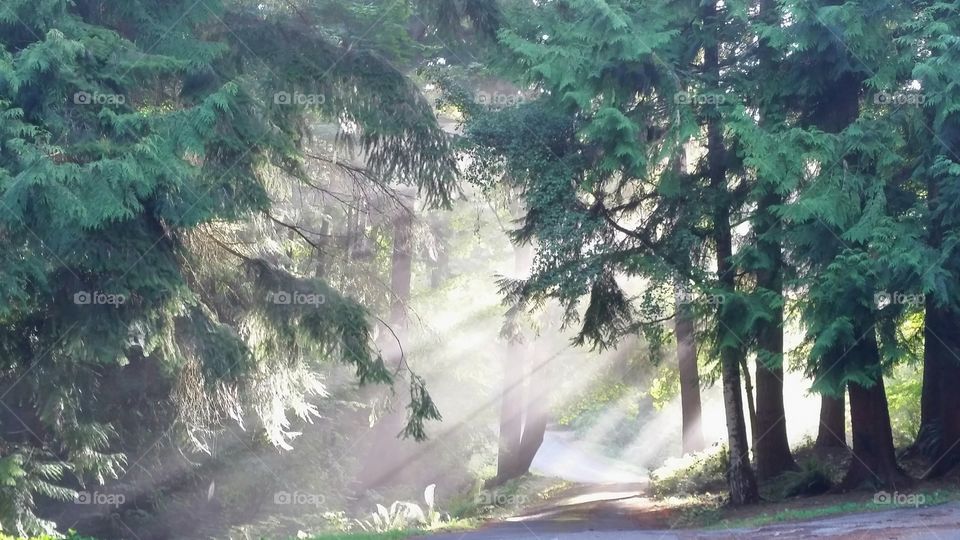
{"points": [[813, 478], [692, 474]]}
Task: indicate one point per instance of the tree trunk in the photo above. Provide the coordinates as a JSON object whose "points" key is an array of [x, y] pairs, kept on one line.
{"points": [[742, 482], [751, 406], [943, 327], [522, 412], [690, 412], [401, 271], [874, 456], [511, 415], [939, 434], [388, 457], [771, 449], [934, 351], [535, 414], [832, 432], [441, 263]]}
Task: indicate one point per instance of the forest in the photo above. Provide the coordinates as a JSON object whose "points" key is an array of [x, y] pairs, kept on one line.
{"points": [[479, 269]]}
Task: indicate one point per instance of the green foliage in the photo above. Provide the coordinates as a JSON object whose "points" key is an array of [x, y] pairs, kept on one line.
{"points": [[404, 515], [138, 140], [692, 474], [812, 479], [904, 386]]}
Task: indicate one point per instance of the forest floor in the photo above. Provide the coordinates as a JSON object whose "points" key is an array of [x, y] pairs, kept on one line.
{"points": [[613, 512], [597, 507]]}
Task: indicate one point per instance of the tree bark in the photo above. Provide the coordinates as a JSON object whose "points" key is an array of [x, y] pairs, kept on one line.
{"points": [[690, 408], [388, 457], [771, 448], [523, 419], [535, 414], [943, 327], [832, 432], [928, 433], [874, 456], [740, 476], [751, 406], [401, 268], [511, 414]]}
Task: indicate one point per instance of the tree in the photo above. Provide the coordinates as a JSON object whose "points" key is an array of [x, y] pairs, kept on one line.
{"points": [[937, 141], [125, 171], [843, 233], [601, 204], [685, 331]]}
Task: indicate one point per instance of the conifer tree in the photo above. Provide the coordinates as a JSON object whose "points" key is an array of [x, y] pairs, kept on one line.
{"points": [[137, 140]]}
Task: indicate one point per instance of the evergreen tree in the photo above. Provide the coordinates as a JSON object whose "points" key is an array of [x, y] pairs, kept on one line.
{"points": [[137, 137]]}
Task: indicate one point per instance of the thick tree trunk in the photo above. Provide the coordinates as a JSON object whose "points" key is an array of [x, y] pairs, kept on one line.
{"points": [[943, 327], [874, 456], [771, 449], [832, 432], [690, 411], [939, 434], [742, 482], [928, 433]]}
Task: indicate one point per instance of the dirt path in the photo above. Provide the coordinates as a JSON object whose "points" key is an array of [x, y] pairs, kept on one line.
{"points": [[611, 504], [617, 512]]}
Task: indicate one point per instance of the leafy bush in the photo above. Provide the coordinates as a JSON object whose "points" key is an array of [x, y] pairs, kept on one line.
{"points": [[403, 515], [813, 478], [691, 474]]}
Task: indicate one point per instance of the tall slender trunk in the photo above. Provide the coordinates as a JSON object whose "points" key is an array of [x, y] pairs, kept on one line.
{"points": [[387, 456], [771, 449], [535, 412], [742, 482], [832, 432], [690, 409], [512, 404], [751, 406], [875, 460], [522, 412], [401, 272], [441, 263]]}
